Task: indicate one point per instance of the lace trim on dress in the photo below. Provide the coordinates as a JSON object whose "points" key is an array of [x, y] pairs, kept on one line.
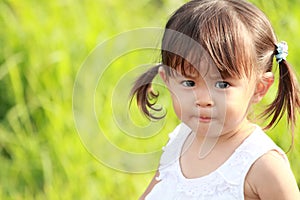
{"points": [[227, 179]]}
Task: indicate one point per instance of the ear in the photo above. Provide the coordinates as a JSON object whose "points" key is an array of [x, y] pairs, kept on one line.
{"points": [[163, 75], [262, 86]]}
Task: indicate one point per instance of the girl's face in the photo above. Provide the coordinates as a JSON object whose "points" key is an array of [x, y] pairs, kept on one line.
{"points": [[210, 105]]}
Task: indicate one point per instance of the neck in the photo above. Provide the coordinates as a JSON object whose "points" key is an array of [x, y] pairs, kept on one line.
{"points": [[207, 143]]}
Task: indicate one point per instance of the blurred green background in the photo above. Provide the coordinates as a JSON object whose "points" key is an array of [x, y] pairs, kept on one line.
{"points": [[42, 46]]}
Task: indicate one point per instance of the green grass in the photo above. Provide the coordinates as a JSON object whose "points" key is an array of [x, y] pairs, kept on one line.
{"points": [[43, 44]]}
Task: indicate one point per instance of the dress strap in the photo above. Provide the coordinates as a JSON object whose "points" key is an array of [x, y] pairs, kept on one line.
{"points": [[172, 150], [253, 147]]}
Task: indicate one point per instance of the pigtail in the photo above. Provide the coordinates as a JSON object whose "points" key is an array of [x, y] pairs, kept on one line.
{"points": [[145, 96], [287, 98]]}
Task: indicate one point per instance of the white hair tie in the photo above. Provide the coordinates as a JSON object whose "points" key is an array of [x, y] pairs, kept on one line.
{"points": [[281, 51]]}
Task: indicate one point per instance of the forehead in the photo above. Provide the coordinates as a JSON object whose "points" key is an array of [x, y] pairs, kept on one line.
{"points": [[190, 68]]}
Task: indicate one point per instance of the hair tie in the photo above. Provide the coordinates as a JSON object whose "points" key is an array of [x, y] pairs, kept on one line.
{"points": [[281, 51]]}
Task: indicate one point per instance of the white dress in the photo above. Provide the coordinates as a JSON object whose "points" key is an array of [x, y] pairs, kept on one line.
{"points": [[225, 183]]}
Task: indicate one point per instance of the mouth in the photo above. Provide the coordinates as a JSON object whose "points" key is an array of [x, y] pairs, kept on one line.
{"points": [[205, 119]]}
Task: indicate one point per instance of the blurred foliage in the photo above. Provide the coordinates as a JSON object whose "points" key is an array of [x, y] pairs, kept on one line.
{"points": [[43, 44]]}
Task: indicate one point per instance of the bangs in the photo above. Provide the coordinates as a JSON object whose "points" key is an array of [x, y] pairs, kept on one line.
{"points": [[193, 67], [222, 41]]}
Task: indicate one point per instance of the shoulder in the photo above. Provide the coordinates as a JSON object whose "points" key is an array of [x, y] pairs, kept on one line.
{"points": [[270, 177], [177, 135], [172, 150]]}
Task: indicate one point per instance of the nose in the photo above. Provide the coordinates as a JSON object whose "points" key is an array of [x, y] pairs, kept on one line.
{"points": [[203, 97]]}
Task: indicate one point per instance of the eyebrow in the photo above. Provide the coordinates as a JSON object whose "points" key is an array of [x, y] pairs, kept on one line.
{"points": [[190, 75], [216, 76], [208, 75]]}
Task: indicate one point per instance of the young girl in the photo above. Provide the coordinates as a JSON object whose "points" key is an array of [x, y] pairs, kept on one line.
{"points": [[217, 58]]}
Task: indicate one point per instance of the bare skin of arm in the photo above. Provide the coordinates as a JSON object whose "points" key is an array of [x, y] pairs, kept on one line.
{"points": [[271, 178], [150, 186]]}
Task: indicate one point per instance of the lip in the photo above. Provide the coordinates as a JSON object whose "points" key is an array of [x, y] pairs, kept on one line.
{"points": [[204, 119]]}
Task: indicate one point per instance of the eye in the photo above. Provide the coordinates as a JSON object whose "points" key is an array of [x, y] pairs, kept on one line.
{"points": [[222, 84], [188, 83]]}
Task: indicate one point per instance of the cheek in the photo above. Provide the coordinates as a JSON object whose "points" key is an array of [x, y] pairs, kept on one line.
{"points": [[237, 108], [177, 105], [182, 104], [182, 101]]}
